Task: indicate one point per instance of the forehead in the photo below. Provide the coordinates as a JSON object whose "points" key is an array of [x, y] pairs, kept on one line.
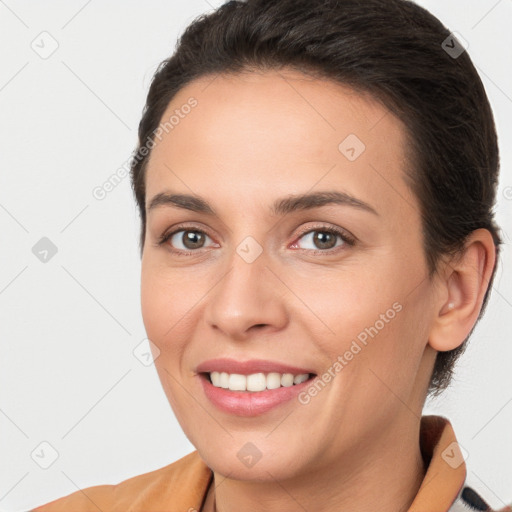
{"points": [[277, 130]]}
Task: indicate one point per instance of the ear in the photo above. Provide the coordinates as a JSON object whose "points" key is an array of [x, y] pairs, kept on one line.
{"points": [[463, 283]]}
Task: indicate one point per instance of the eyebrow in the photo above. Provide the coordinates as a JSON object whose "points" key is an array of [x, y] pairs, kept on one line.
{"points": [[280, 207]]}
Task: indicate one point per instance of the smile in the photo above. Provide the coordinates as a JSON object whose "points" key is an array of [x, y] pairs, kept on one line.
{"points": [[256, 381], [244, 402]]}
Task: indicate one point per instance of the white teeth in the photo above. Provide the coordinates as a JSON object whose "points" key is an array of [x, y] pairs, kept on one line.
{"points": [[287, 379], [255, 381], [273, 381], [300, 378], [223, 380], [237, 382]]}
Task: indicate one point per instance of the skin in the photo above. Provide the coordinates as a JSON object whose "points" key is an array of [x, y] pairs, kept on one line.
{"points": [[251, 139]]}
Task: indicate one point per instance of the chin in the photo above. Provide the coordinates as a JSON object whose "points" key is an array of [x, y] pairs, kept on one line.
{"points": [[251, 464]]}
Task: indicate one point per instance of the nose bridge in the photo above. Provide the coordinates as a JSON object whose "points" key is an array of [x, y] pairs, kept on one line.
{"points": [[246, 295]]}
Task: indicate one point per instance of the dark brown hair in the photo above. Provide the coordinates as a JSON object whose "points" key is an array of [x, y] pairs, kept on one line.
{"points": [[392, 49]]}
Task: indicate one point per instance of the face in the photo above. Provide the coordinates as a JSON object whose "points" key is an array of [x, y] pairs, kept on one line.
{"points": [[338, 288]]}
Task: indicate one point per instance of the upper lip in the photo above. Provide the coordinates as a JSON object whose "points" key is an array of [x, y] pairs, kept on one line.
{"points": [[248, 367]]}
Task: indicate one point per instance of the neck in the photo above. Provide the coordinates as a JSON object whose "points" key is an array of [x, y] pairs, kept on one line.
{"points": [[360, 481]]}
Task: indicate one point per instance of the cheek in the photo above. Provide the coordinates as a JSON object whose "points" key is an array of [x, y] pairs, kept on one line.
{"points": [[346, 301], [162, 304], [370, 316], [162, 308], [171, 304], [153, 305]]}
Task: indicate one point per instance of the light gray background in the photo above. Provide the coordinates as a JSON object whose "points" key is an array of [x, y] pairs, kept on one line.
{"points": [[68, 327]]}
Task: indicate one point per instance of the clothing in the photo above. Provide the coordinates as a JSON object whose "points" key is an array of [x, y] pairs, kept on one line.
{"points": [[182, 485]]}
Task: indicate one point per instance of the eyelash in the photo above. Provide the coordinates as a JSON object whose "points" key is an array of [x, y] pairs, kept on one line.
{"points": [[347, 239]]}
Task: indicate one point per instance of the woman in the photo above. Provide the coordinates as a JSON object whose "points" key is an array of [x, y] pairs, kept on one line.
{"points": [[316, 182]]}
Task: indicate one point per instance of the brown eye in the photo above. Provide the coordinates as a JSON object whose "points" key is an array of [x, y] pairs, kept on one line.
{"points": [[190, 239], [187, 241], [323, 239]]}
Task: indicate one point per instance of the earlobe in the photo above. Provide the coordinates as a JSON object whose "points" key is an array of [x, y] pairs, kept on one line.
{"points": [[465, 282]]}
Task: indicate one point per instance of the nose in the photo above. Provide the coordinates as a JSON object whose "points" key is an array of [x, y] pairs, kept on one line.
{"points": [[247, 299]]}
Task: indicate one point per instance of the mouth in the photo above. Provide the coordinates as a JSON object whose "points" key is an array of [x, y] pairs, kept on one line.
{"points": [[248, 396], [255, 382]]}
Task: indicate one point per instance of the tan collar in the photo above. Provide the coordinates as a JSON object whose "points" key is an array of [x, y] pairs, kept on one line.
{"points": [[446, 472]]}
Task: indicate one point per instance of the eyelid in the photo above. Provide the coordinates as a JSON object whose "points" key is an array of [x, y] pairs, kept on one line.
{"points": [[322, 226]]}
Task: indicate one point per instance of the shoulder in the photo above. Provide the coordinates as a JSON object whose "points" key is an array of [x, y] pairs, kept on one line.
{"points": [[181, 485]]}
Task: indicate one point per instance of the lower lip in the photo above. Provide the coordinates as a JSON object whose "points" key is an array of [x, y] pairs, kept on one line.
{"points": [[249, 403]]}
